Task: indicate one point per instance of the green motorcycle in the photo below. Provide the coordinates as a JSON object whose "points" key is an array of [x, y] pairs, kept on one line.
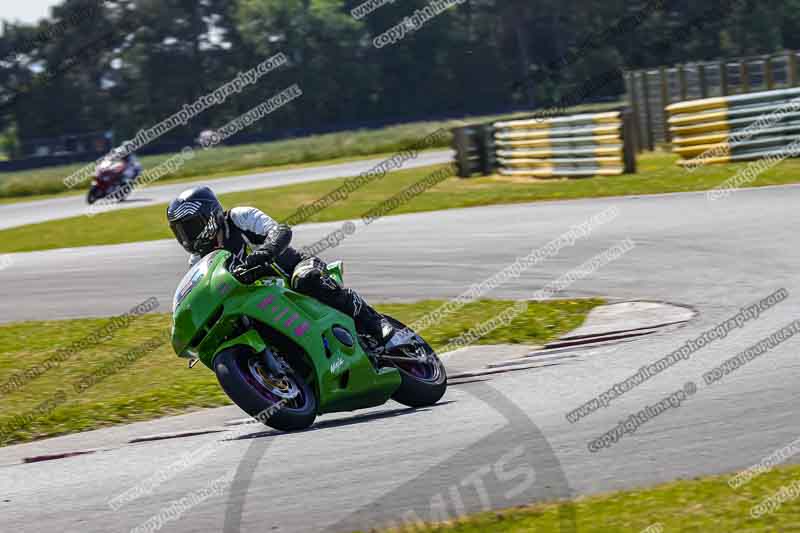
{"points": [[279, 352]]}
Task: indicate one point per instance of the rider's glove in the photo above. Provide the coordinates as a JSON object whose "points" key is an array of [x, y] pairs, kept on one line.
{"points": [[249, 275], [275, 243], [259, 257], [255, 266], [258, 263]]}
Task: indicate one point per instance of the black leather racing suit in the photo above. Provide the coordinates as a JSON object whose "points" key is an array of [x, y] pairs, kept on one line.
{"points": [[247, 229]]}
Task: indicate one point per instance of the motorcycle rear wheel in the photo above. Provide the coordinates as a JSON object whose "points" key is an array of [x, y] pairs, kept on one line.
{"points": [[424, 379], [286, 405]]}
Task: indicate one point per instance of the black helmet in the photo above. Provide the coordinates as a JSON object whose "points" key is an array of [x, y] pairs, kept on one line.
{"points": [[195, 218]]}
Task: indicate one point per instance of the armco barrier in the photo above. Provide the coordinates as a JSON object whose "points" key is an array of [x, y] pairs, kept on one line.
{"points": [[572, 146], [651, 90], [734, 128]]}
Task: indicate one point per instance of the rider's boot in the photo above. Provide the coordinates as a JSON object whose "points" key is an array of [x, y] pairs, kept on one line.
{"points": [[375, 325]]}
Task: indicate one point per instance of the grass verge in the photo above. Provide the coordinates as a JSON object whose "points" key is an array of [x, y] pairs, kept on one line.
{"points": [[230, 160], [244, 159], [657, 174], [213, 176], [689, 506], [156, 383]]}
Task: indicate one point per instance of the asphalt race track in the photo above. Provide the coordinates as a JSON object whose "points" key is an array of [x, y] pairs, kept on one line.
{"points": [[492, 443], [22, 213]]}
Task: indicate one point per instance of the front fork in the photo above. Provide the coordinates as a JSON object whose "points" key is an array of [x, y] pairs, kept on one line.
{"points": [[273, 366], [253, 340]]}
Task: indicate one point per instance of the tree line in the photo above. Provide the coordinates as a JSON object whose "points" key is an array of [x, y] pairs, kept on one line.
{"points": [[126, 65]]}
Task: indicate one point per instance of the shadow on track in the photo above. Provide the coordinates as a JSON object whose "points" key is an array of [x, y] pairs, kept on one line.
{"points": [[517, 450], [358, 419]]}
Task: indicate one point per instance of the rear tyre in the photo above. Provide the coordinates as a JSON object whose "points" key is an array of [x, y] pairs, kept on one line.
{"points": [[286, 405], [424, 379]]}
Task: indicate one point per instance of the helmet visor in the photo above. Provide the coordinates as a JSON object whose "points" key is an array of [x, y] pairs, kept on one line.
{"points": [[197, 234]]}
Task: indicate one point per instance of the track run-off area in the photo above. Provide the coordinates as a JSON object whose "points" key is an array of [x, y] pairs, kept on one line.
{"points": [[507, 439]]}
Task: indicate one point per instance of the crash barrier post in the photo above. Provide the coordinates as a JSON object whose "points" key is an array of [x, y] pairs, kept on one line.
{"points": [[630, 148], [734, 128], [569, 146], [475, 150]]}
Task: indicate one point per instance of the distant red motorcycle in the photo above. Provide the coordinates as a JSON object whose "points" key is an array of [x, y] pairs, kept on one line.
{"points": [[110, 181]]}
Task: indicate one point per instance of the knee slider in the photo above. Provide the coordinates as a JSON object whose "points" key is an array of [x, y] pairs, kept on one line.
{"points": [[307, 274]]}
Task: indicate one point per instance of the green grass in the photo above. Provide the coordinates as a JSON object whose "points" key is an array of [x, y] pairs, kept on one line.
{"points": [[217, 175], [657, 174], [159, 384], [227, 161], [689, 506], [246, 158]]}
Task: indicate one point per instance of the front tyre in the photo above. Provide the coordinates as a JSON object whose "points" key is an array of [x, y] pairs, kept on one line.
{"points": [[424, 379], [287, 405], [93, 195]]}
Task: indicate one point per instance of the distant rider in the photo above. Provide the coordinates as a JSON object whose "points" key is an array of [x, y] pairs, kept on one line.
{"points": [[132, 168], [260, 246]]}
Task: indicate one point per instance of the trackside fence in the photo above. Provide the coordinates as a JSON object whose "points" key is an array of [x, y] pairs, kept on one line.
{"points": [[650, 91], [734, 128]]}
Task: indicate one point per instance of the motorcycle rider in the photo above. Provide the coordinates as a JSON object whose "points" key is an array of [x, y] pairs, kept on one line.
{"points": [[133, 168], [258, 245]]}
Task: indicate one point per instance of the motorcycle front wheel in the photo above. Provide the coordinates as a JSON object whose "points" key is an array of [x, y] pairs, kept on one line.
{"points": [[93, 195], [286, 404]]}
